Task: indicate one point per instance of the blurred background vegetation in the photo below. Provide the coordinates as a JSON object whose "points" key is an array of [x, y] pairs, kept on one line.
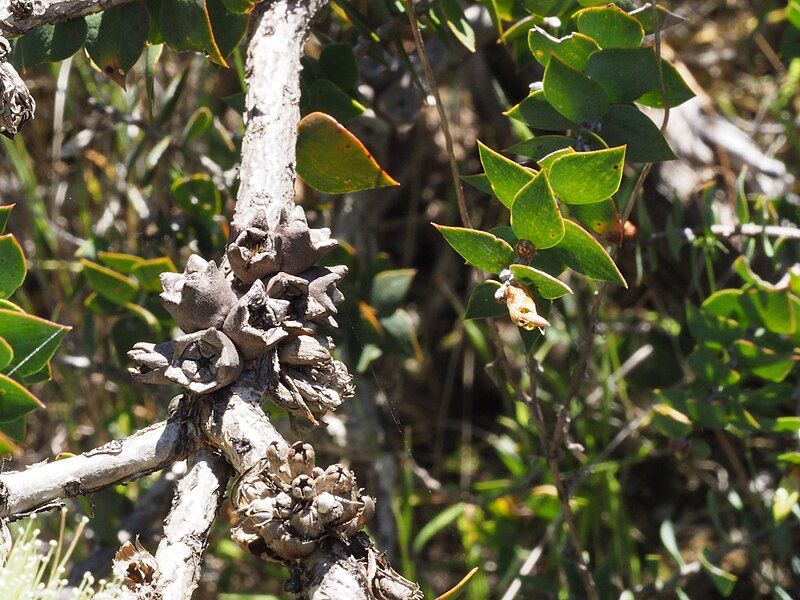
{"points": [[682, 459]]}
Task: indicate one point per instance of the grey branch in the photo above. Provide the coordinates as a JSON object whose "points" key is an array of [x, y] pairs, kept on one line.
{"points": [[142, 453], [20, 16]]}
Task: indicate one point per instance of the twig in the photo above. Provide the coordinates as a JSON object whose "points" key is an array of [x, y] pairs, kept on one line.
{"points": [[448, 139], [17, 17], [729, 231]]}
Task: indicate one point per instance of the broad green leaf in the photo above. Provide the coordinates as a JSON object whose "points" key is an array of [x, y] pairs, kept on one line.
{"points": [[479, 181], [12, 265], [723, 581], [186, 25], [197, 195], [15, 400], [332, 160], [478, 248], [547, 161], [624, 73], [326, 97], [506, 177], [6, 353], [542, 145], [546, 285], [505, 233], [711, 366], [197, 124], [587, 177], [389, 288], [787, 424], [34, 341], [10, 306], [763, 362], [678, 91], [115, 39], [790, 457], [536, 112], [773, 308], [573, 49], [483, 304], [49, 43], [670, 422], [535, 216], [458, 23], [582, 253], [601, 218], [4, 212], [710, 328], [147, 272], [572, 93], [43, 374], [228, 26], [610, 26], [117, 261], [726, 303], [338, 63], [625, 125], [111, 285], [400, 328]]}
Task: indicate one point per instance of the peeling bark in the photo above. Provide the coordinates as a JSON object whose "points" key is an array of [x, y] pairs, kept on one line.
{"points": [[20, 16]]}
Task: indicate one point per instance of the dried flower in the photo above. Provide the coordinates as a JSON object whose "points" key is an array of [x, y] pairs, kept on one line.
{"points": [[201, 362], [522, 308], [135, 565], [17, 106], [254, 324], [198, 298]]}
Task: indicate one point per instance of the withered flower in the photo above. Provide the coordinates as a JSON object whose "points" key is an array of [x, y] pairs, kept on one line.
{"points": [[291, 248], [17, 106], [200, 362], [254, 324], [522, 308], [134, 565], [198, 298]]}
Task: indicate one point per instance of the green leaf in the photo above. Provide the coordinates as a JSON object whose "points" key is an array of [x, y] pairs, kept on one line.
{"points": [[667, 534], [573, 49], [479, 181], [625, 125], [197, 125], [723, 581], [324, 96], [43, 374], [338, 63], [478, 248], [34, 341], [389, 288], [186, 25], [332, 160], [542, 145], [624, 73], [228, 26], [666, 18], [123, 263], [6, 353], [115, 39], [763, 362], [49, 43], [790, 457], [239, 6], [458, 23], [111, 285], [572, 93], [547, 161], [710, 328], [102, 307], [15, 400], [610, 26], [582, 253], [12, 265], [773, 308], [506, 177], [437, 524], [546, 285], [536, 112], [535, 215], [588, 177], [483, 304], [148, 271], [678, 91], [4, 212], [670, 422], [601, 218], [400, 328], [197, 195]]}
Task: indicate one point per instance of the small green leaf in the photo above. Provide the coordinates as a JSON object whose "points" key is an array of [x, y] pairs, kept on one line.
{"points": [[506, 177], [4, 212], [12, 265], [197, 195], [197, 125], [535, 215], [228, 26], [478, 248], [763, 362], [546, 285], [601, 218], [338, 63], [542, 145], [34, 341], [588, 177], [111, 285], [572, 93], [148, 271], [610, 26], [479, 181], [483, 304], [536, 112], [573, 49], [148, 318], [772, 308], [6, 353], [625, 125], [102, 307], [15, 400], [400, 328], [458, 23], [389, 288], [326, 97], [790, 457], [723, 581], [186, 26], [49, 43], [678, 91], [624, 73], [122, 263], [115, 39], [582, 253], [332, 160], [547, 161]]}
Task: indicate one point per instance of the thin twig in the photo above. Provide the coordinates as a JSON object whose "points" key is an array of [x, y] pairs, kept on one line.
{"points": [[448, 139]]}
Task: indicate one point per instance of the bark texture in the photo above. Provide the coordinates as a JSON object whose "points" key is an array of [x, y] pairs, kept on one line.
{"points": [[20, 16]]}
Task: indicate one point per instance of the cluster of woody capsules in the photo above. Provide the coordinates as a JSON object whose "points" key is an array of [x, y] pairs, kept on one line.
{"points": [[16, 103], [253, 322]]}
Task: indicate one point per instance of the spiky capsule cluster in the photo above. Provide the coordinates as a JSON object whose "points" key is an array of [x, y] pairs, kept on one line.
{"points": [[256, 312], [288, 509]]}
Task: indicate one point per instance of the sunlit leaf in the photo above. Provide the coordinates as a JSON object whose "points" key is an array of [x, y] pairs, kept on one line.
{"points": [[478, 248], [113, 286], [535, 216], [115, 38], [587, 177], [546, 285], [12, 265], [572, 93], [34, 340], [506, 177], [610, 26]]}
